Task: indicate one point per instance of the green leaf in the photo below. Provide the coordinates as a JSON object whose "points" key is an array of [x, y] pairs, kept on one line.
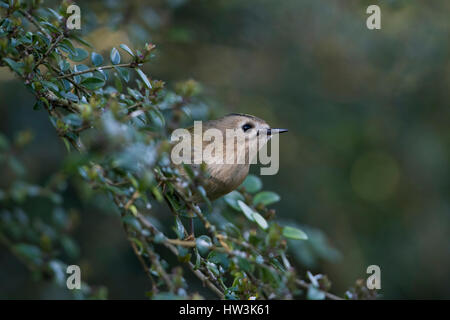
{"points": [[294, 233], [132, 222], [93, 83], [50, 85], [266, 198], [66, 144], [213, 268], [157, 117], [118, 83], [124, 73], [127, 49], [232, 198], [16, 66], [73, 119], [80, 55], [252, 183], [115, 56], [29, 252], [248, 212], [97, 59], [315, 294], [55, 14], [59, 271], [70, 96], [144, 78], [67, 46], [244, 264], [220, 258], [204, 244], [179, 230], [259, 219]]}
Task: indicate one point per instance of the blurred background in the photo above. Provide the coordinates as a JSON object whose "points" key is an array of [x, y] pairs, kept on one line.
{"points": [[364, 167]]}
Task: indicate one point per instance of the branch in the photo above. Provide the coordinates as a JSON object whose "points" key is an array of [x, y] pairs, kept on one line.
{"points": [[50, 49], [205, 280], [306, 285], [35, 23], [124, 65]]}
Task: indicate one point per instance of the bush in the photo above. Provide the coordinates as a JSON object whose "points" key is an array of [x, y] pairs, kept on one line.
{"points": [[115, 122]]}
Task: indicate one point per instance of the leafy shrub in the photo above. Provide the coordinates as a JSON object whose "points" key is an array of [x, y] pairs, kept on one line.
{"points": [[116, 120]]}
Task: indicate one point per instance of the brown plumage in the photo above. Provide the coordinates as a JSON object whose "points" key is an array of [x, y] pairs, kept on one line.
{"points": [[224, 178]]}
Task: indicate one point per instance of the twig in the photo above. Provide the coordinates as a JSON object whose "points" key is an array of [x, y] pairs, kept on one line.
{"points": [[143, 263], [73, 74], [50, 49], [159, 267], [132, 199], [183, 243], [205, 280], [35, 23], [306, 285]]}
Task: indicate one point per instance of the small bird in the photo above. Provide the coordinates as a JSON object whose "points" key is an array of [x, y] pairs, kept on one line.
{"points": [[222, 178]]}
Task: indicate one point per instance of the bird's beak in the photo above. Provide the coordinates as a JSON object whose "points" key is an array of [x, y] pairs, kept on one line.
{"points": [[275, 131]]}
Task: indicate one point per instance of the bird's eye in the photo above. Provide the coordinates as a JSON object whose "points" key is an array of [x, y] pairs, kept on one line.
{"points": [[247, 126]]}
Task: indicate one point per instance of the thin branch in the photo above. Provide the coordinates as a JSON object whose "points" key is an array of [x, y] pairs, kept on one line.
{"points": [[205, 280], [144, 264], [50, 49], [159, 268], [35, 23], [183, 243], [73, 74], [306, 285]]}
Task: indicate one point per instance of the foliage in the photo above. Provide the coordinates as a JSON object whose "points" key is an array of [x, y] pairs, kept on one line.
{"points": [[40, 238], [117, 120]]}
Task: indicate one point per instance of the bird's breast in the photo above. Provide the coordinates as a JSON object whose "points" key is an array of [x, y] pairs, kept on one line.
{"points": [[224, 178]]}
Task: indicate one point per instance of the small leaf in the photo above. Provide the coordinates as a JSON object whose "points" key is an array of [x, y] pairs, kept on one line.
{"points": [[259, 219], [213, 268], [67, 45], [127, 49], [93, 83], [294, 233], [50, 85], [118, 83], [179, 228], [16, 66], [73, 119], [266, 198], [132, 222], [59, 271], [115, 56], [244, 264], [80, 55], [70, 96], [123, 73], [144, 78], [157, 117], [204, 244], [248, 212], [219, 258], [29, 252], [97, 59], [252, 183], [232, 198], [315, 294]]}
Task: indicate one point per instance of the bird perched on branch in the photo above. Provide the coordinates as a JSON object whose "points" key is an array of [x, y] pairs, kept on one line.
{"points": [[243, 136]]}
